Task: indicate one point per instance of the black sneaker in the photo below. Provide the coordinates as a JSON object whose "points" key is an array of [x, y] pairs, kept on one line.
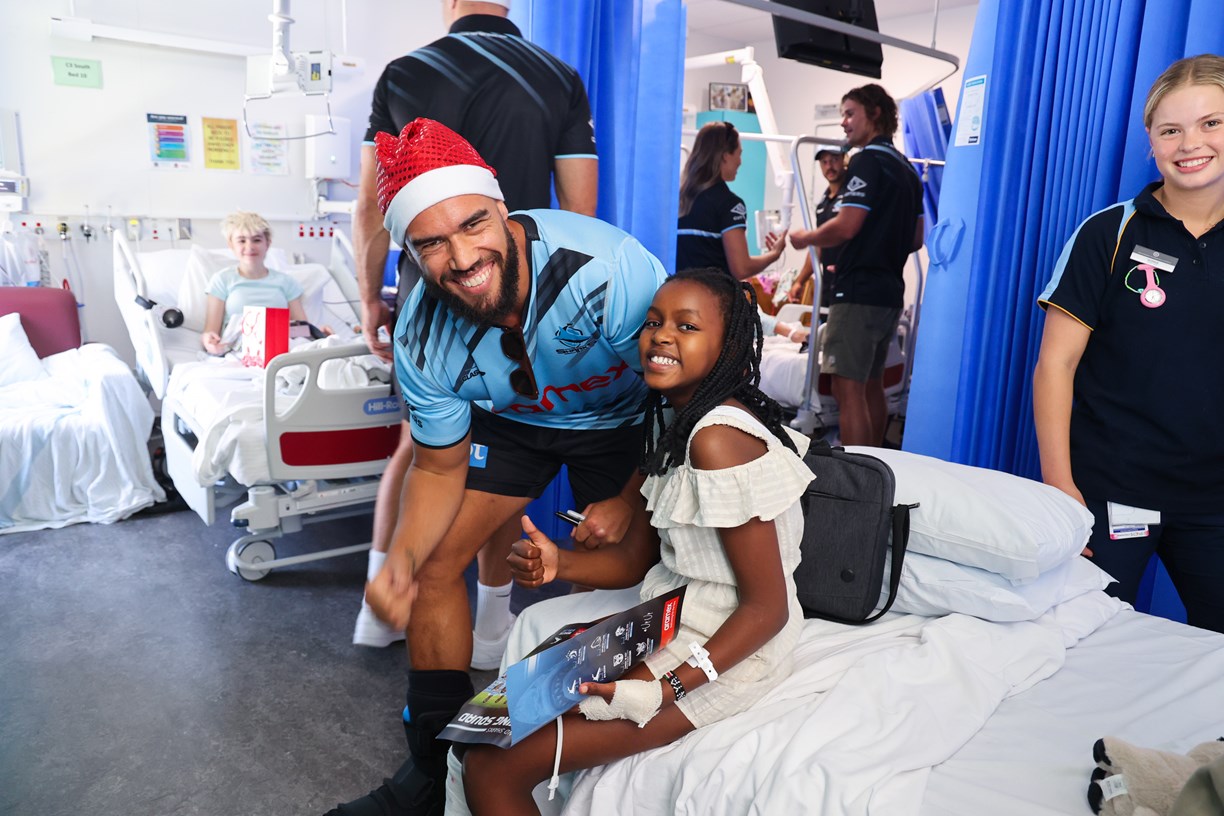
{"points": [[411, 792]]}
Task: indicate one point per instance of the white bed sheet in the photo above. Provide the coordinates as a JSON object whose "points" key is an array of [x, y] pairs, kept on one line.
{"points": [[1150, 681], [73, 446], [222, 402], [865, 716]]}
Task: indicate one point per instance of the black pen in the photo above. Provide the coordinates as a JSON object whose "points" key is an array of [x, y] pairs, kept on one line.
{"points": [[570, 517]]}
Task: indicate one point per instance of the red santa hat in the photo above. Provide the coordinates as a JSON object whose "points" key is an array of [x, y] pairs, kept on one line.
{"points": [[427, 163]]}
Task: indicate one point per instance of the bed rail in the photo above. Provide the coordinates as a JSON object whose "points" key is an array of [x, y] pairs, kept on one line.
{"points": [[329, 432]]}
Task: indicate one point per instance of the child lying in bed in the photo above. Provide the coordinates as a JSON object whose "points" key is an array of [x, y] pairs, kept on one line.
{"points": [[250, 283], [723, 485]]}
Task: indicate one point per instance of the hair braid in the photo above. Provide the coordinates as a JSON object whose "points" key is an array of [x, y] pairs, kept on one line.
{"points": [[736, 374]]}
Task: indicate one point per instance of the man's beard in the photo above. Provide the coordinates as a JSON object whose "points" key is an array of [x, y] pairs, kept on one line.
{"points": [[504, 301]]}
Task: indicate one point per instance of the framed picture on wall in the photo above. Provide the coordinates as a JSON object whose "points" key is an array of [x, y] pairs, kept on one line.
{"points": [[728, 96]]}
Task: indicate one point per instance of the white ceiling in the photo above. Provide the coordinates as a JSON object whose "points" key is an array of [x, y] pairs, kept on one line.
{"points": [[725, 19]]}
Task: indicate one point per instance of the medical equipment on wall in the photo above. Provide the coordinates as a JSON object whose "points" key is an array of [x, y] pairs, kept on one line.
{"points": [[14, 186], [287, 73]]}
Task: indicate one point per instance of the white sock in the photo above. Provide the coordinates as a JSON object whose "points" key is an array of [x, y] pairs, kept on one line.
{"points": [[492, 610], [373, 568]]}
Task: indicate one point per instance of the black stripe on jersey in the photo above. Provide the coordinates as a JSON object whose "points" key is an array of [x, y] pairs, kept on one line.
{"points": [[556, 276], [466, 373], [421, 324]]}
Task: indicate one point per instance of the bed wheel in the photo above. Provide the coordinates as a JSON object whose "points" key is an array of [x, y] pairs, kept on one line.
{"points": [[253, 552]]}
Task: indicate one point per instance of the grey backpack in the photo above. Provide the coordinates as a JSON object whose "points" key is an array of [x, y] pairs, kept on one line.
{"points": [[849, 526]]}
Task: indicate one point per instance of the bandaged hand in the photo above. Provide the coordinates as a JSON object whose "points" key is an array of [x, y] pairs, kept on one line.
{"points": [[636, 700]]}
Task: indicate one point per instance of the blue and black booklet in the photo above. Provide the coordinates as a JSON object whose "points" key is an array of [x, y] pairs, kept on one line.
{"points": [[544, 685]]}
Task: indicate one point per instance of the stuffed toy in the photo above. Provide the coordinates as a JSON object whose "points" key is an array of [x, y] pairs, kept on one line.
{"points": [[1133, 781]]}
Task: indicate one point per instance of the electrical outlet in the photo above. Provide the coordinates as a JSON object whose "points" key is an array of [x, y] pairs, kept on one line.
{"points": [[133, 229]]}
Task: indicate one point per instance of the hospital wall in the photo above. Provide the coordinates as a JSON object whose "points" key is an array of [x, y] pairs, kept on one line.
{"points": [[795, 89], [90, 147]]}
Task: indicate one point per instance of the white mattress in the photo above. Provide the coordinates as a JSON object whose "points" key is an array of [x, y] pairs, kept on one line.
{"points": [[1150, 681], [925, 716]]}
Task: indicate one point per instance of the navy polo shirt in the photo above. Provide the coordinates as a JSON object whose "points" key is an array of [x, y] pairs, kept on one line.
{"points": [[715, 210], [826, 208], [519, 106], [1147, 424], [871, 266]]}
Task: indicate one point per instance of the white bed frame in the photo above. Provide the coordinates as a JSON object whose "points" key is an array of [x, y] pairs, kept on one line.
{"points": [[326, 452]]}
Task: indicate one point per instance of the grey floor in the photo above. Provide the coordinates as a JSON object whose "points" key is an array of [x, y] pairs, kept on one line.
{"points": [[138, 676]]}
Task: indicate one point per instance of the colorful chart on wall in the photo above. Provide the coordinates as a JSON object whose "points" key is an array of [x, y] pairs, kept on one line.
{"points": [[168, 145]]}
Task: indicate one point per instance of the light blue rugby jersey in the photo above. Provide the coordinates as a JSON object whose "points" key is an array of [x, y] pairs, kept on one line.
{"points": [[591, 286]]}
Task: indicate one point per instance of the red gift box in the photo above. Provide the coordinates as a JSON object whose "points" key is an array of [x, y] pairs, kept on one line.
{"points": [[265, 334]]}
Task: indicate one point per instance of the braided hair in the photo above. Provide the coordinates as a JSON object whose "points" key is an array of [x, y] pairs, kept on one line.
{"points": [[736, 373]]}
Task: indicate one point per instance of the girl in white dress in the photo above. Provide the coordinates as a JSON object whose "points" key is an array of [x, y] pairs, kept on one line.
{"points": [[723, 482]]}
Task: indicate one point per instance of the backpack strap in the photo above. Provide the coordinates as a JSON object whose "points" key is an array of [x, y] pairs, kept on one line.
{"points": [[900, 541]]}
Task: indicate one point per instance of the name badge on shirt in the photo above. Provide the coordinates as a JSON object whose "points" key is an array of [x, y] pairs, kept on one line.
{"points": [[1130, 522], [1160, 260]]}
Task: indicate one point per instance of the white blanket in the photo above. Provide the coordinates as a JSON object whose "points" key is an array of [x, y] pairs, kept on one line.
{"points": [[222, 401], [74, 446], [866, 714]]}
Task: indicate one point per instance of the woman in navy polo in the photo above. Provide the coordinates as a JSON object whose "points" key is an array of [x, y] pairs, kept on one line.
{"points": [[1128, 393], [713, 226]]}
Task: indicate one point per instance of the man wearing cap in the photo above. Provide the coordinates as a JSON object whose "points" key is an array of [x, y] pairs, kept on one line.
{"points": [[879, 223], [516, 355], [527, 114], [832, 163]]}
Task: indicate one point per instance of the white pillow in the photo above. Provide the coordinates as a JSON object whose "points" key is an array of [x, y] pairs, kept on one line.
{"points": [[983, 518], [163, 273], [202, 264], [933, 586], [21, 363]]}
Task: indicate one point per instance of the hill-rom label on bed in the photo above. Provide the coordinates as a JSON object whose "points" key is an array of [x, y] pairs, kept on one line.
{"points": [[544, 685], [265, 334]]}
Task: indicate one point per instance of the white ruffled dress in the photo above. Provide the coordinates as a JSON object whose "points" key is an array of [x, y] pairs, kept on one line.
{"points": [[688, 506]]}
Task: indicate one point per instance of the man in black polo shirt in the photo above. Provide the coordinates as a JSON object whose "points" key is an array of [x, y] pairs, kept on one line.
{"points": [[527, 113], [880, 224], [832, 163]]}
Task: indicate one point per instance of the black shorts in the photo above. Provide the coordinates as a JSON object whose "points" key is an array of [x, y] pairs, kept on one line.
{"points": [[510, 458]]}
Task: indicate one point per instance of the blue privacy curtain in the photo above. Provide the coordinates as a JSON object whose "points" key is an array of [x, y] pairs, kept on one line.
{"points": [[630, 54], [1061, 137], [925, 130]]}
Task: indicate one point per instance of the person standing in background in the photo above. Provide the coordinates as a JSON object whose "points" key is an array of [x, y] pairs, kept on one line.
{"points": [[879, 224], [713, 226], [833, 167], [527, 113]]}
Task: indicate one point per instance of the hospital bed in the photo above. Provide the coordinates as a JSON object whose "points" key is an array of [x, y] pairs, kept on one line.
{"points": [[303, 440], [787, 371], [74, 423], [983, 693]]}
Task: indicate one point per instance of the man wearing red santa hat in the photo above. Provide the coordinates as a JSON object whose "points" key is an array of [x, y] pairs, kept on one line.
{"points": [[517, 355]]}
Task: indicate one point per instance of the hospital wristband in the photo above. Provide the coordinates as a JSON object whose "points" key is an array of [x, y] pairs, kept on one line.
{"points": [[677, 686], [791, 334], [701, 660]]}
